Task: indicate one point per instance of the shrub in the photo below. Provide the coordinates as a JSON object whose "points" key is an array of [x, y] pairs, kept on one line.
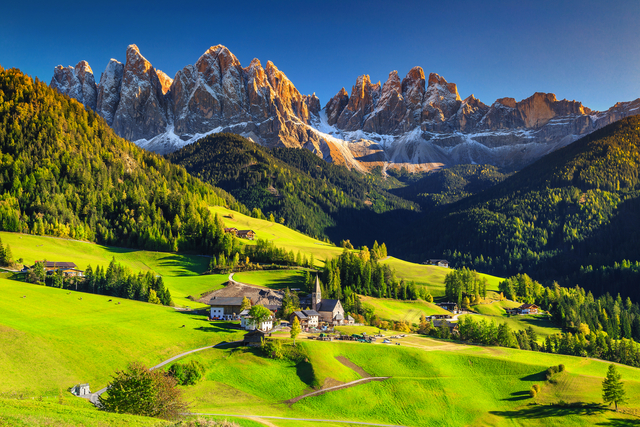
{"points": [[532, 392], [188, 373], [536, 387], [139, 391], [561, 367]]}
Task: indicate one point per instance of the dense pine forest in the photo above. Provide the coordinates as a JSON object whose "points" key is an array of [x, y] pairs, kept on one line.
{"points": [[64, 172], [295, 186], [570, 217]]}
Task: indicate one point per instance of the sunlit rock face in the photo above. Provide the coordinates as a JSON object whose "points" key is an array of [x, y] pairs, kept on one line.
{"points": [[418, 122]]}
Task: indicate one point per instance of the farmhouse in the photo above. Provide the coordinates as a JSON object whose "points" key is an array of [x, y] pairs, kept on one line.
{"points": [[329, 310], [246, 234], [81, 390], [437, 262], [524, 309], [307, 318], [453, 327], [69, 269], [231, 230], [249, 324], [254, 338], [449, 306], [225, 303]]}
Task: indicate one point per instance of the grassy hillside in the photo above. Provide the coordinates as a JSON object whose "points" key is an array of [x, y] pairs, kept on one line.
{"points": [[274, 279], [54, 338], [46, 350], [409, 311], [180, 273], [442, 385]]}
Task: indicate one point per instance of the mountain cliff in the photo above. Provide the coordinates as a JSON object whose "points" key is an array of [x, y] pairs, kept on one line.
{"points": [[418, 122]]}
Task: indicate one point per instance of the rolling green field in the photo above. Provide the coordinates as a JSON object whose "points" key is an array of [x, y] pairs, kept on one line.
{"points": [[409, 311], [52, 339], [180, 273], [282, 236], [430, 276], [274, 279], [441, 386], [495, 308]]}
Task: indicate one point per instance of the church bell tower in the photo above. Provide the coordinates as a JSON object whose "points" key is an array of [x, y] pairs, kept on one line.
{"points": [[316, 296]]}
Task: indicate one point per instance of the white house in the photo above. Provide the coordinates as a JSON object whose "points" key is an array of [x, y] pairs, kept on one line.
{"points": [[247, 322]]}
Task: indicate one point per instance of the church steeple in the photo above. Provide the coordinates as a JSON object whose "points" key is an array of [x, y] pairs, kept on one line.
{"points": [[316, 296]]}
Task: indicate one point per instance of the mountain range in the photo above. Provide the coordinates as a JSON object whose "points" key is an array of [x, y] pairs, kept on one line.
{"points": [[418, 122]]}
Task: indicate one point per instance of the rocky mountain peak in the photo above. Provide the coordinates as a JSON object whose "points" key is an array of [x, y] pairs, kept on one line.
{"points": [[364, 96], [334, 107], [165, 81], [413, 86], [109, 90], [78, 82]]}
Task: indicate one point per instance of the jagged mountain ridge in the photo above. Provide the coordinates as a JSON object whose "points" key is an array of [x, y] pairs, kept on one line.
{"points": [[419, 123]]}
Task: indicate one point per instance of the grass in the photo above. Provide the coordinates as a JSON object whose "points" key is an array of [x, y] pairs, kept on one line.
{"points": [[180, 273], [431, 276], [54, 338], [409, 311], [282, 236], [495, 308], [275, 279]]}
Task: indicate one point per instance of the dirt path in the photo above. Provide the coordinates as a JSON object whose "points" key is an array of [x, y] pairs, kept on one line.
{"points": [[93, 397], [349, 364], [295, 419], [338, 387]]}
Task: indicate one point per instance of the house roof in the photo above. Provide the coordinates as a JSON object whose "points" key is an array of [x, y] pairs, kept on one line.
{"points": [[328, 304], [58, 264], [245, 231], [526, 306], [225, 301], [339, 316], [349, 317], [270, 298], [311, 313], [299, 314]]}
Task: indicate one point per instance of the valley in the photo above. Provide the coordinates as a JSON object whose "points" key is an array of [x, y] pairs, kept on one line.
{"points": [[397, 257]]}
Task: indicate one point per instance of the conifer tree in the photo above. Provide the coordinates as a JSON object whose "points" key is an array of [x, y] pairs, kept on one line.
{"points": [[612, 388]]}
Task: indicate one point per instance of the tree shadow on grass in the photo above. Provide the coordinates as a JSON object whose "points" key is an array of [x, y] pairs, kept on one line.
{"points": [[620, 422], [540, 376], [304, 369], [547, 411], [518, 395]]}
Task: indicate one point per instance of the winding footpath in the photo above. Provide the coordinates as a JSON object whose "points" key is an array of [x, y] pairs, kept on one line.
{"points": [[93, 397]]}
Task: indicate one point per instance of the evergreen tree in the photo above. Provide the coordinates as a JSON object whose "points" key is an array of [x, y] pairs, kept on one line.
{"points": [[612, 388]]}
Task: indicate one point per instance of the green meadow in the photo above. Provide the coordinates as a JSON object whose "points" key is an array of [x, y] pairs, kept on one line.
{"points": [[409, 311], [274, 279], [53, 339]]}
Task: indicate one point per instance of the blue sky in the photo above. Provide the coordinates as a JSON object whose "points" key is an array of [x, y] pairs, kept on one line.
{"points": [[583, 50]]}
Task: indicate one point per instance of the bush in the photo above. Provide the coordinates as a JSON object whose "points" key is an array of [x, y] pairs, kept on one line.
{"points": [[532, 392], [139, 391], [536, 387], [188, 373], [561, 367]]}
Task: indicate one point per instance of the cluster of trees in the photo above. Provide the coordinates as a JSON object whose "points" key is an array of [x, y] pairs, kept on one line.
{"points": [[594, 344], [576, 309], [188, 373], [6, 256], [64, 172], [464, 286], [292, 186], [236, 256], [361, 273], [115, 280]]}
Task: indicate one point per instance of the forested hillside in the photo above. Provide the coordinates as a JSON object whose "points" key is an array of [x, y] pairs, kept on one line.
{"points": [[445, 186], [572, 217], [64, 172], [294, 185]]}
